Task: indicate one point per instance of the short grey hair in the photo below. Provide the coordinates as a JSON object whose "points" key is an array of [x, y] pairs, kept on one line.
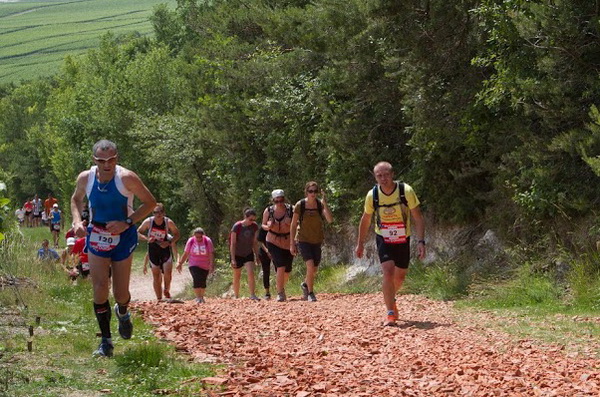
{"points": [[103, 145], [198, 230]]}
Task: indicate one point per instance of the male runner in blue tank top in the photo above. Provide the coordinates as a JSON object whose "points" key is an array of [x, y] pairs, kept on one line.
{"points": [[111, 235]]}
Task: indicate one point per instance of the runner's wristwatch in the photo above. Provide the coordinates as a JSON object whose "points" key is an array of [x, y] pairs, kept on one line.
{"points": [[129, 221], [421, 242]]}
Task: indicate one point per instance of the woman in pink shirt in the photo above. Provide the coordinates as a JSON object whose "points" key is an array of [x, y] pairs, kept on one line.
{"points": [[200, 252]]}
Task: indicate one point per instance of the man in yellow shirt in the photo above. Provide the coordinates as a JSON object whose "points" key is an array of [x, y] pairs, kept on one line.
{"points": [[393, 203]]}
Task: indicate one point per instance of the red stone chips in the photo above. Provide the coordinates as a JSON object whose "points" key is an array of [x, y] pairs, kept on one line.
{"points": [[337, 346]]}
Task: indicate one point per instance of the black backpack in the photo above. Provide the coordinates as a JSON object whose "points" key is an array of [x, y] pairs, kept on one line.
{"points": [[303, 208], [376, 205]]}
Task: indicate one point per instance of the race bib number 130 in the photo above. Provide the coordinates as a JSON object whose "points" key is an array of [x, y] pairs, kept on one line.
{"points": [[393, 233], [102, 240]]}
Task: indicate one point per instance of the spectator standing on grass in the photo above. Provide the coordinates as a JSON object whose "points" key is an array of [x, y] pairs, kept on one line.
{"points": [[307, 234], [393, 204], [49, 204], [243, 250], [111, 235], [28, 207], [37, 210], [20, 214], [200, 254]]}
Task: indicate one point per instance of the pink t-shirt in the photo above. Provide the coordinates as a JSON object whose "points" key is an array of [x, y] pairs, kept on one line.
{"points": [[199, 253]]}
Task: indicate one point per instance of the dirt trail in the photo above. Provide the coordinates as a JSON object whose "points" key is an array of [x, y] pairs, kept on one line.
{"points": [[337, 347], [140, 285]]}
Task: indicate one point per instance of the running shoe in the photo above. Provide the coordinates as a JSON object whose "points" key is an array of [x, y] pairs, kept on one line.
{"points": [[105, 349], [390, 319], [167, 294], [254, 298], [267, 296], [281, 297], [312, 297], [125, 325], [199, 300], [304, 291]]}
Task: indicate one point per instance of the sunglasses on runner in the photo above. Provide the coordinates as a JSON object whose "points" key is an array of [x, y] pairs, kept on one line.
{"points": [[312, 191], [103, 161], [279, 200]]}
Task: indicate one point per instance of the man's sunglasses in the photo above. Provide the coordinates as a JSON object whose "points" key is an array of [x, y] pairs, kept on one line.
{"points": [[103, 161]]}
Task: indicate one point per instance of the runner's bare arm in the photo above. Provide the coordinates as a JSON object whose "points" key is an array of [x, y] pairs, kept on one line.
{"points": [[326, 211], [77, 203], [232, 246], [143, 229], [266, 223], [134, 184], [363, 229], [174, 231], [293, 229], [420, 230]]}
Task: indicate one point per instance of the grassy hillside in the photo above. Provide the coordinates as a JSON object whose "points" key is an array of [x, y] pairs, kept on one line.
{"points": [[35, 36]]}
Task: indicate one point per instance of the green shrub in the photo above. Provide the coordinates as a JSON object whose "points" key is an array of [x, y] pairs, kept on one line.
{"points": [[584, 283], [443, 281]]}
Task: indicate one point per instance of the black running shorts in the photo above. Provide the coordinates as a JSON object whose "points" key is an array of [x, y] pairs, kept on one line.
{"points": [[399, 253]]}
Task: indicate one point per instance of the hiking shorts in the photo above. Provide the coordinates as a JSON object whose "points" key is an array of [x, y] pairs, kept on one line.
{"points": [[399, 253], [281, 257], [310, 252], [199, 276], [240, 261]]}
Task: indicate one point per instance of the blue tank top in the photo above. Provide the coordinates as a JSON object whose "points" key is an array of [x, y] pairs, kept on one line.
{"points": [[55, 216], [108, 201]]}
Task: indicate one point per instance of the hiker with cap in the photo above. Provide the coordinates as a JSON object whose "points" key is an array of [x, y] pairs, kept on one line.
{"points": [[277, 220], [393, 203], [56, 222], [307, 234]]}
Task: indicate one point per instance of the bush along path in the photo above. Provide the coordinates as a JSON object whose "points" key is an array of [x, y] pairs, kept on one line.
{"points": [[337, 346]]}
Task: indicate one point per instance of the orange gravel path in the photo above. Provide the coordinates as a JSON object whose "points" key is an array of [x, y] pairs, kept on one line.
{"points": [[337, 347]]}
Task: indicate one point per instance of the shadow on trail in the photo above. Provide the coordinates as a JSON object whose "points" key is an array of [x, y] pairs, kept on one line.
{"points": [[421, 324]]}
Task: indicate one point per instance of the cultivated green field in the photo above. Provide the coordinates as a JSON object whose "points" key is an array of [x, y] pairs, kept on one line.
{"points": [[36, 35]]}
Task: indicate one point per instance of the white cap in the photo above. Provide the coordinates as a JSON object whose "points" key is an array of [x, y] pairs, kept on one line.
{"points": [[277, 193], [71, 241], [55, 205]]}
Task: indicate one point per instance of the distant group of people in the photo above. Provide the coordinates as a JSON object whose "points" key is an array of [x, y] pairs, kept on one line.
{"points": [[284, 232], [35, 213]]}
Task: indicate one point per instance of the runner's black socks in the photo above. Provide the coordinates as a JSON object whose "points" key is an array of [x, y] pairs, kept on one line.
{"points": [[103, 316]]}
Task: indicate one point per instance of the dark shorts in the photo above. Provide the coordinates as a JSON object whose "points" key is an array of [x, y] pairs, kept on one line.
{"points": [[240, 261], [199, 276], [310, 252], [83, 273], [37, 215], [399, 253], [55, 227], [159, 258], [128, 240], [27, 213], [281, 257]]}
